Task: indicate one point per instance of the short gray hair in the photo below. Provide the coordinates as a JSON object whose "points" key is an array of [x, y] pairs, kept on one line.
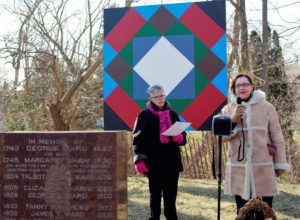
{"points": [[154, 89]]}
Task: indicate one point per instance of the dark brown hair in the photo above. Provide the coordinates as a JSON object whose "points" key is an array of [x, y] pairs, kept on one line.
{"points": [[256, 209], [247, 75]]}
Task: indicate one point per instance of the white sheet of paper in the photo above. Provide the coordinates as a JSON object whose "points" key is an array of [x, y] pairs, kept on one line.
{"points": [[176, 128]]}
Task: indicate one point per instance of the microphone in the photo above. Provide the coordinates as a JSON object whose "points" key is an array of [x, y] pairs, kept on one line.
{"points": [[239, 101], [221, 125]]}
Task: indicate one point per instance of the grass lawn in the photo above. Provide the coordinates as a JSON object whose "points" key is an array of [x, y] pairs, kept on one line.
{"points": [[297, 136], [197, 199]]}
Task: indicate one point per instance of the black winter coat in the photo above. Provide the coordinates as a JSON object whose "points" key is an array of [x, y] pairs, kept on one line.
{"points": [[160, 158]]}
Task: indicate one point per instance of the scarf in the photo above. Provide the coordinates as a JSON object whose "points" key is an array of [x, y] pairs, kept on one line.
{"points": [[164, 121]]}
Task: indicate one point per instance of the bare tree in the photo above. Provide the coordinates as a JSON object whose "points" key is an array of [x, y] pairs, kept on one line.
{"points": [[69, 55], [239, 55], [244, 37], [234, 41]]}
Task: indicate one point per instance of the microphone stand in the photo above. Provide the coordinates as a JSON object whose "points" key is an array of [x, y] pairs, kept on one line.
{"points": [[219, 176], [221, 126]]}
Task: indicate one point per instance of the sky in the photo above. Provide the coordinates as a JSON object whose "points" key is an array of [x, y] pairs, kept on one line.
{"points": [[282, 14]]}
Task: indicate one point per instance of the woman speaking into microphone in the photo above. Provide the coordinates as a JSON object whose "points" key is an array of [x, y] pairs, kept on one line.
{"points": [[256, 153]]}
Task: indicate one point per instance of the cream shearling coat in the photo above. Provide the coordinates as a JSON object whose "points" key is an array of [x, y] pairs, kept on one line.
{"points": [[255, 174]]}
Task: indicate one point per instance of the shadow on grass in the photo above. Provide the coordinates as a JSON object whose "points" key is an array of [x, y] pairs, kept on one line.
{"points": [[199, 201], [287, 204], [137, 211], [206, 192], [139, 193]]}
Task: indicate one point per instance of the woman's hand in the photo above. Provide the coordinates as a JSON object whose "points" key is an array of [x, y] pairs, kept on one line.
{"points": [[141, 168], [178, 138], [279, 172], [238, 113]]}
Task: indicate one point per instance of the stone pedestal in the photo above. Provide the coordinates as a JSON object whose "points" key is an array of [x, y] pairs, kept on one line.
{"points": [[63, 175]]}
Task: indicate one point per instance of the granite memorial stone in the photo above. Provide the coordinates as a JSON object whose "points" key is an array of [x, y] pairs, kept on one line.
{"points": [[63, 175]]}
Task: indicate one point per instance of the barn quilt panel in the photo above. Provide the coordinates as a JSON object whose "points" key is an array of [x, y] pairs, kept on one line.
{"points": [[179, 46]]}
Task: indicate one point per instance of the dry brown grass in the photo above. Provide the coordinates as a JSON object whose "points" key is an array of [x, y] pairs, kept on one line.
{"points": [[197, 199]]}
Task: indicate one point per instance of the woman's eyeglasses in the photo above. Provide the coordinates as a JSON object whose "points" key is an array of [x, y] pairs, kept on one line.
{"points": [[243, 85], [158, 97]]}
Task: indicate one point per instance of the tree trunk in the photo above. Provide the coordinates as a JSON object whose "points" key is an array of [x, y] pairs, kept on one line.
{"points": [[265, 46], [55, 110], [244, 38], [233, 57]]}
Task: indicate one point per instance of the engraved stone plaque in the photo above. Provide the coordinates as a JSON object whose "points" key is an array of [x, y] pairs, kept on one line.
{"points": [[63, 175]]}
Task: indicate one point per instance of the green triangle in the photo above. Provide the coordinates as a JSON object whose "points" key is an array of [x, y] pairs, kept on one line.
{"points": [[142, 103], [126, 53], [147, 30], [200, 50], [126, 84], [179, 104], [200, 82], [178, 28]]}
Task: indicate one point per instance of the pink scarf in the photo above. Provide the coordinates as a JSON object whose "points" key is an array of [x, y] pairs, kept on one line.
{"points": [[164, 121]]}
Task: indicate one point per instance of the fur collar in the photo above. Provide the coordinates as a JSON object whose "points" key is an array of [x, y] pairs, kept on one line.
{"points": [[257, 96]]}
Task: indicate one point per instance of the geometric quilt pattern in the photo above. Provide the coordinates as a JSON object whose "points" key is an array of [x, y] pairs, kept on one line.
{"points": [[179, 46]]}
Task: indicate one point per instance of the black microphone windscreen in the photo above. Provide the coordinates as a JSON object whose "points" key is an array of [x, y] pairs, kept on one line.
{"points": [[239, 100], [221, 125]]}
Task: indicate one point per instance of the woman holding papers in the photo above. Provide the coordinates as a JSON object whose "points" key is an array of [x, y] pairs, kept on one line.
{"points": [[157, 155]]}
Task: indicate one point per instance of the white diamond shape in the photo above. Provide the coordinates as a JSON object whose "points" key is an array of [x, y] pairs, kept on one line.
{"points": [[163, 65]]}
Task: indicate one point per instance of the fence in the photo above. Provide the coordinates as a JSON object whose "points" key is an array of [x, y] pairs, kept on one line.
{"points": [[197, 156]]}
